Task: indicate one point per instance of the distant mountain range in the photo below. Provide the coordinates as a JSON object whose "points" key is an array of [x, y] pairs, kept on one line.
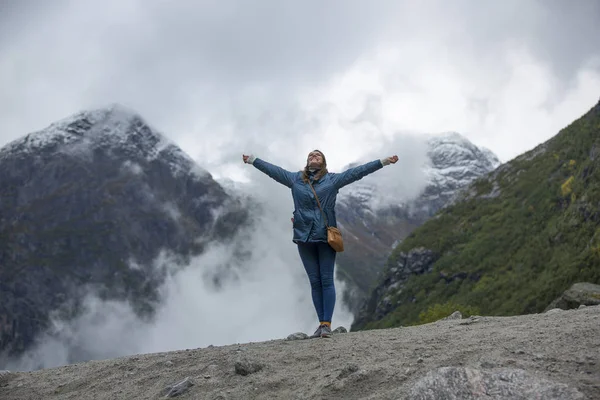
{"points": [[511, 243], [372, 231], [90, 202]]}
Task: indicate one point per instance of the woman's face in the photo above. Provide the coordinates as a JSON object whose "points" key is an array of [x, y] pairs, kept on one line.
{"points": [[315, 159]]}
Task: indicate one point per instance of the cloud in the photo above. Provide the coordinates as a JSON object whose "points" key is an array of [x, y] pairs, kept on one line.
{"points": [[278, 79], [221, 77], [251, 289], [510, 108]]}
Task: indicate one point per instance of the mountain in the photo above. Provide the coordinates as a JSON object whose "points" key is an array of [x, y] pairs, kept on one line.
{"points": [[86, 205], [371, 231], [511, 243]]}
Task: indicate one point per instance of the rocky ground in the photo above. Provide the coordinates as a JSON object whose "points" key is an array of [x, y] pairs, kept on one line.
{"points": [[554, 355]]}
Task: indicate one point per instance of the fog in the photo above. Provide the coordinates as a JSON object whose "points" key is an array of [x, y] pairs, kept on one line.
{"points": [[262, 292], [278, 80]]}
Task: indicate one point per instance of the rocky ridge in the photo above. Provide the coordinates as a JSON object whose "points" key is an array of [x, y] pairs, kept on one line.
{"points": [[548, 356], [417, 261]]}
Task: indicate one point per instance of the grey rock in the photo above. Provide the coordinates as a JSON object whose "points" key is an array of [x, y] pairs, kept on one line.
{"points": [[495, 192], [471, 320], [416, 262], [340, 329], [465, 383], [348, 370], [5, 376], [179, 388], [245, 366], [297, 336], [594, 151], [581, 293], [454, 315]]}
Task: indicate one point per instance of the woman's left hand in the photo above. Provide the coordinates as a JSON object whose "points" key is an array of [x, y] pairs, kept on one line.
{"points": [[393, 159]]}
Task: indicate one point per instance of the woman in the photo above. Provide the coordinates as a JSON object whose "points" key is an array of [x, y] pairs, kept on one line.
{"points": [[310, 233]]}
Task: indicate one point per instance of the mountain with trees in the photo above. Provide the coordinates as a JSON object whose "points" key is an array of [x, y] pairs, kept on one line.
{"points": [[511, 243], [372, 230]]}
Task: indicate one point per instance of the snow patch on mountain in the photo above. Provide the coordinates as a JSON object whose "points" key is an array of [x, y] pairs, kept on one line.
{"points": [[132, 167], [109, 128], [452, 162], [491, 156]]}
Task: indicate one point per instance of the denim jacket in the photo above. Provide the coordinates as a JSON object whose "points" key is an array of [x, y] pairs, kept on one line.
{"points": [[309, 225]]}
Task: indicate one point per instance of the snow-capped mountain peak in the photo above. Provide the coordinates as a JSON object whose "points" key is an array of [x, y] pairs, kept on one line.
{"points": [[452, 162], [100, 203], [112, 128], [376, 213], [453, 149], [491, 156]]}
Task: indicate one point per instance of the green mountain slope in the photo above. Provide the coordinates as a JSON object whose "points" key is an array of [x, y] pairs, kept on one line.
{"points": [[515, 240]]}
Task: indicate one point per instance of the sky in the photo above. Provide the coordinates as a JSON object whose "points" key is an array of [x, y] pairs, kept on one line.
{"points": [[357, 80], [222, 78]]}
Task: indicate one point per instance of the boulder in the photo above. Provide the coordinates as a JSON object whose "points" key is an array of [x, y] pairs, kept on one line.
{"points": [[178, 388], [581, 293], [297, 336], [5, 376], [245, 366], [340, 329], [465, 383]]}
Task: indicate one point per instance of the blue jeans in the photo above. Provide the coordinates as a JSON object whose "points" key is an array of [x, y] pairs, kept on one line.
{"points": [[319, 260]]}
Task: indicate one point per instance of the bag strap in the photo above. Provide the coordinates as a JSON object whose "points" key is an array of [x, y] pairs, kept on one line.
{"points": [[319, 204]]}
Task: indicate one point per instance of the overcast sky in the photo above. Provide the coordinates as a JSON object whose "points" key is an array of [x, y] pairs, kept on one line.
{"points": [[280, 78]]}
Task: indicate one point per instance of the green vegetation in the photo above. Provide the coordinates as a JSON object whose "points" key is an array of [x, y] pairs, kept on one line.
{"points": [[519, 237], [439, 311]]}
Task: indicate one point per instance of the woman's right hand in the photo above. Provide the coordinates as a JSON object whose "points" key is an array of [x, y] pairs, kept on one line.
{"points": [[245, 158]]}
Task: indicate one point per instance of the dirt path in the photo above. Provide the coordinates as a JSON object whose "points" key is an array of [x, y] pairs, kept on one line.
{"points": [[562, 347]]}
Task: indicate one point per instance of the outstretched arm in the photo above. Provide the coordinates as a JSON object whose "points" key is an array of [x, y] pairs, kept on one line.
{"points": [[279, 174], [359, 172]]}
